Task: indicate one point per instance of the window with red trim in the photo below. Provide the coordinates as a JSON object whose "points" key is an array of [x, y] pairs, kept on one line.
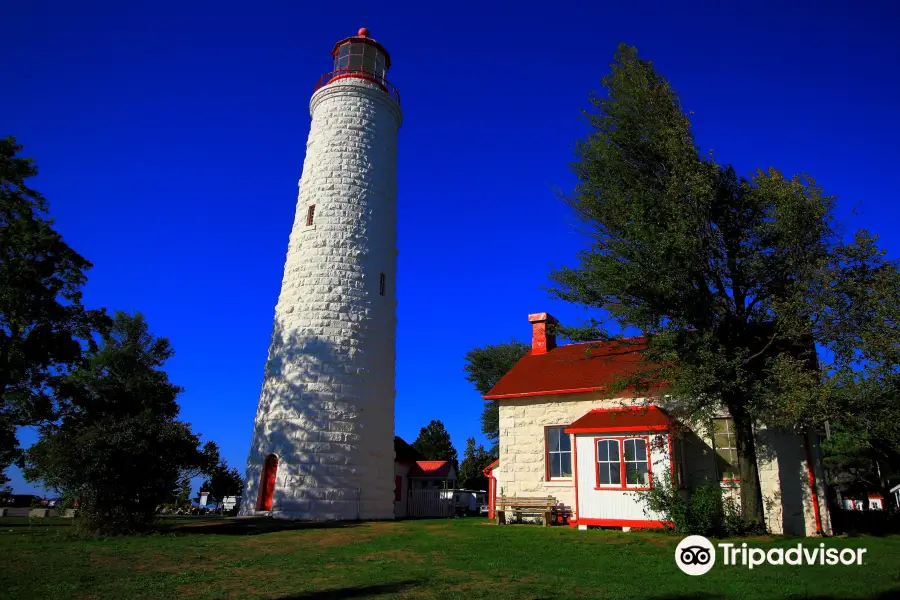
{"points": [[636, 462], [559, 453], [310, 213], [622, 463], [609, 468]]}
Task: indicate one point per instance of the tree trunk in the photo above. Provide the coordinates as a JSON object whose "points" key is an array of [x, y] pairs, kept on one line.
{"points": [[886, 496], [751, 490]]}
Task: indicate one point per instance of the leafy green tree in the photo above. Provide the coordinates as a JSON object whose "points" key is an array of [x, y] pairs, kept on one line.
{"points": [[484, 367], [855, 316], [851, 464], [434, 443], [43, 324], [118, 446], [471, 471], [715, 269]]}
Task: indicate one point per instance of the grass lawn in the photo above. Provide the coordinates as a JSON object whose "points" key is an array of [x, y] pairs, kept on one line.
{"points": [[441, 559]]}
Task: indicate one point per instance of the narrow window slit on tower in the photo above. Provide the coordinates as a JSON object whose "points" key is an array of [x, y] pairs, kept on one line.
{"points": [[310, 212], [381, 285]]}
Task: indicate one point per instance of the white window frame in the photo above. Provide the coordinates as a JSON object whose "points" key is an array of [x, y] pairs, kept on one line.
{"points": [[549, 454], [732, 437]]}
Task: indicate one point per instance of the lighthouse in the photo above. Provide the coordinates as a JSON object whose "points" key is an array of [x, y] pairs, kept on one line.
{"points": [[323, 437]]}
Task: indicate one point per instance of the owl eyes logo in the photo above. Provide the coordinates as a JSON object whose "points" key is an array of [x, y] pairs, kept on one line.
{"points": [[695, 555]]}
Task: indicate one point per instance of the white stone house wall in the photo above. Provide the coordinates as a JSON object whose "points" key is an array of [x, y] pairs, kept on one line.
{"points": [[782, 462], [326, 408]]}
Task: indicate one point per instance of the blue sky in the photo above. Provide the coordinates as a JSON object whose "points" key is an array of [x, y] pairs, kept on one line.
{"points": [[170, 138]]}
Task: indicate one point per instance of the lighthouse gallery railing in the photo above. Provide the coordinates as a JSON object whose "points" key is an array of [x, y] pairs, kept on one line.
{"points": [[352, 73]]}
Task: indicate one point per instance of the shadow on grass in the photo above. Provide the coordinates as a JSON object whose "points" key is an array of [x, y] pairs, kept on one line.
{"points": [[889, 595], [362, 591], [247, 526]]}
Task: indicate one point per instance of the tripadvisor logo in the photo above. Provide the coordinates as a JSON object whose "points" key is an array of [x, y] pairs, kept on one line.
{"points": [[696, 555]]}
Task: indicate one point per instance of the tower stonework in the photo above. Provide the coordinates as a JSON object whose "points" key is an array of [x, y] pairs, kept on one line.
{"points": [[323, 437]]}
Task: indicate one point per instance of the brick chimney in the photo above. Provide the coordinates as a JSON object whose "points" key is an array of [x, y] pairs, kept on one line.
{"points": [[541, 340]]}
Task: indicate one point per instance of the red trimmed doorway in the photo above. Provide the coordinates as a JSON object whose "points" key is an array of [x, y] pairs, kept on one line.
{"points": [[267, 483]]}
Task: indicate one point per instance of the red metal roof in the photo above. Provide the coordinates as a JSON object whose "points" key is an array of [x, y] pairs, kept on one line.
{"points": [[631, 418], [431, 468], [569, 369]]}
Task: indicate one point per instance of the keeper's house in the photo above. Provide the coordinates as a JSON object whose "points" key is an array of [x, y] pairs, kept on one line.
{"points": [[560, 436]]}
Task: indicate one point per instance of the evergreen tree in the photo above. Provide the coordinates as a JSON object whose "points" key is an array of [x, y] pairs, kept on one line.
{"points": [[223, 481], [484, 367], [471, 471], [434, 443]]}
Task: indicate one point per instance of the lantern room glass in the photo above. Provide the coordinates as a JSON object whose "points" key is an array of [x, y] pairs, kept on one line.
{"points": [[361, 56]]}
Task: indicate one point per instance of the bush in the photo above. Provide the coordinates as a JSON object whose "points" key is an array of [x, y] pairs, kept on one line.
{"points": [[701, 511], [865, 522]]}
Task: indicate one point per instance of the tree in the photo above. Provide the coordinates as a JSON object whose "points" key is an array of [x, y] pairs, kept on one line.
{"points": [[42, 321], [182, 494], [118, 446], [484, 367], [851, 465], [471, 472], [714, 269], [223, 482], [855, 316], [434, 443]]}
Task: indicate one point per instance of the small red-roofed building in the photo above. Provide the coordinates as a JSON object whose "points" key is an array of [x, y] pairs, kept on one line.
{"points": [[561, 435], [422, 488]]}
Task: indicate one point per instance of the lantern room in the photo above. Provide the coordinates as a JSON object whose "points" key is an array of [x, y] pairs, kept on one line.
{"points": [[360, 57]]}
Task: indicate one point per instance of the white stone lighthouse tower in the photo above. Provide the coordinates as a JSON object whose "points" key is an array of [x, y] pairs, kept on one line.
{"points": [[323, 440]]}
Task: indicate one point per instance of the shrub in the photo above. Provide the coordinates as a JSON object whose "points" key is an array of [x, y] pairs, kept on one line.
{"points": [[701, 511], [733, 524]]}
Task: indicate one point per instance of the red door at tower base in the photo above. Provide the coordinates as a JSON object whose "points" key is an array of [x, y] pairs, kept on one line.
{"points": [[267, 483]]}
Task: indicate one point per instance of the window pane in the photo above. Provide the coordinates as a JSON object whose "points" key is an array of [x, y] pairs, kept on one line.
{"points": [[629, 449], [615, 474], [613, 450], [565, 442], [640, 449], [602, 450], [727, 463], [369, 64], [722, 440], [344, 50], [553, 439], [603, 470], [357, 48], [554, 465], [355, 61], [369, 51], [342, 62], [566, 467], [636, 473]]}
